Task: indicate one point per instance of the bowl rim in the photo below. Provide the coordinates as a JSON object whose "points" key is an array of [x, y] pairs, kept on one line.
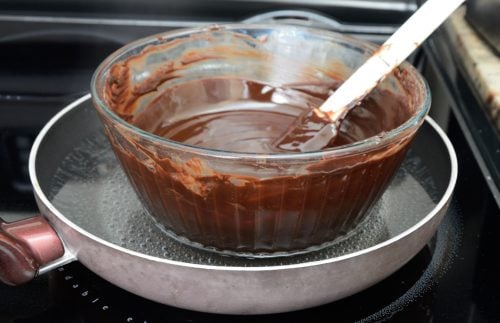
{"points": [[407, 128]]}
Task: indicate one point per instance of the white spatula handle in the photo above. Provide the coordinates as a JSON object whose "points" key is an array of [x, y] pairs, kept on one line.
{"points": [[394, 51]]}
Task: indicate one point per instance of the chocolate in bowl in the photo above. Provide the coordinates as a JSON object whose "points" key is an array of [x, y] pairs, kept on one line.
{"points": [[192, 116]]}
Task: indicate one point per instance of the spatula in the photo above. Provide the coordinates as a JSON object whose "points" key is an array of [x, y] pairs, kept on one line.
{"points": [[317, 128]]}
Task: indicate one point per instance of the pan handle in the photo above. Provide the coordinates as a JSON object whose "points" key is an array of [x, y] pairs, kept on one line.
{"points": [[25, 246]]}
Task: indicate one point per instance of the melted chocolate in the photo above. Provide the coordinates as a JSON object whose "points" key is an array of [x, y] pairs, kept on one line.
{"points": [[248, 204], [245, 116]]}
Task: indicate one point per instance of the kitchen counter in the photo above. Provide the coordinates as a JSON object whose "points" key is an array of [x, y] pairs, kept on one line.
{"points": [[479, 61], [469, 72]]}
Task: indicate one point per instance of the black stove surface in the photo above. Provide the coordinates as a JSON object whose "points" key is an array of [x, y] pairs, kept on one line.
{"points": [[84, 297]]}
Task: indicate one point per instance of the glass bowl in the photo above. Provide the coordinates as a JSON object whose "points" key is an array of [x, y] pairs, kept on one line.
{"points": [[249, 204]]}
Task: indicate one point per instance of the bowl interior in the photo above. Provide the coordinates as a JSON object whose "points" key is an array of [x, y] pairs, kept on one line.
{"points": [[275, 55]]}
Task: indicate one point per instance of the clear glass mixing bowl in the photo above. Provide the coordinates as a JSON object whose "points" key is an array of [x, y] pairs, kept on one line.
{"points": [[245, 203]]}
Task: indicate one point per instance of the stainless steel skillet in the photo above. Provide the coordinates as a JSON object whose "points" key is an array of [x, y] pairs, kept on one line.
{"points": [[84, 195]]}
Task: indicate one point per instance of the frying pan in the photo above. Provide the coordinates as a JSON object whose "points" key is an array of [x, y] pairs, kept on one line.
{"points": [[94, 217]]}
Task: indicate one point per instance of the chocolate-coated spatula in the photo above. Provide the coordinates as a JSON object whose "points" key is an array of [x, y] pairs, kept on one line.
{"points": [[317, 128]]}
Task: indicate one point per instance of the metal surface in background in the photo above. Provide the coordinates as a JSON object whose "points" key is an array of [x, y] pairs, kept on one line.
{"points": [[484, 15], [364, 11], [468, 110]]}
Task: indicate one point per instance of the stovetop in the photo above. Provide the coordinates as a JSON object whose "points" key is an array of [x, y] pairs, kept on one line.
{"points": [[453, 279]]}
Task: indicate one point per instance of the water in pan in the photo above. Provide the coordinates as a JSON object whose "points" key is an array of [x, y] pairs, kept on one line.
{"points": [[91, 190]]}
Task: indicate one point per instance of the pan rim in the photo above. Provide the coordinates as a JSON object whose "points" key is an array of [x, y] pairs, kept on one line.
{"points": [[49, 206]]}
